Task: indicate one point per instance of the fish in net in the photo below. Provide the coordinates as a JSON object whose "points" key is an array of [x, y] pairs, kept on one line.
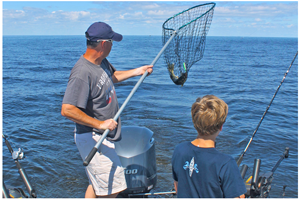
{"points": [[191, 27]]}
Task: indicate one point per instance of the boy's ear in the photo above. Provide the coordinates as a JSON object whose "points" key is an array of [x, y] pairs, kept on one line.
{"points": [[221, 127]]}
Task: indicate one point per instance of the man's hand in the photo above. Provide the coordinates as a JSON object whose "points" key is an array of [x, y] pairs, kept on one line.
{"points": [[76, 115], [141, 70], [120, 76], [108, 124]]}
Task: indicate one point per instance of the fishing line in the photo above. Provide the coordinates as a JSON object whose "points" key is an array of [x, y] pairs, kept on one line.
{"points": [[243, 153]]}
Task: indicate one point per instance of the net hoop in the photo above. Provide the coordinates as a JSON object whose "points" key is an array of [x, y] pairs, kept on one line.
{"points": [[213, 6]]}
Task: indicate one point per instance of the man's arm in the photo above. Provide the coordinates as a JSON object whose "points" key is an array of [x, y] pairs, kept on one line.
{"points": [[76, 115], [120, 76]]}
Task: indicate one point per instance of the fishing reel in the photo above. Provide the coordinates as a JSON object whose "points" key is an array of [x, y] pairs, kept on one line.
{"points": [[260, 186], [18, 155]]}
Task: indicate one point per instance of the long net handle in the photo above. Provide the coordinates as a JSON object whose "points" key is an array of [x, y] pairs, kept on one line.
{"points": [[243, 153], [96, 147]]}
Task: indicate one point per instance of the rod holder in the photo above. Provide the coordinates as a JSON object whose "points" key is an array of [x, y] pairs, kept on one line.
{"points": [[244, 170], [255, 174]]}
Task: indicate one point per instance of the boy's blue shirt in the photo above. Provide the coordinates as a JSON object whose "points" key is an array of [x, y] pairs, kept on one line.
{"points": [[205, 173]]}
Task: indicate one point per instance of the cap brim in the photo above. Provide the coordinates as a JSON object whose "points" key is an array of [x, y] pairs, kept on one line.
{"points": [[117, 37]]}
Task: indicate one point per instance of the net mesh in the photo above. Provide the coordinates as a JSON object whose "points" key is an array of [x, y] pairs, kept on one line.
{"points": [[187, 47]]}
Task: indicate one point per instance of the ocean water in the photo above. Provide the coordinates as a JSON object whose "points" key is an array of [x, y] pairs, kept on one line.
{"points": [[244, 72]]}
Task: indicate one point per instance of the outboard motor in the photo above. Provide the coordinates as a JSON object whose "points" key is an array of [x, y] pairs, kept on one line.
{"points": [[136, 151]]}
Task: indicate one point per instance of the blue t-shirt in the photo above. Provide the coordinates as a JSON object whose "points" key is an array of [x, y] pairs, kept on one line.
{"points": [[205, 173]]}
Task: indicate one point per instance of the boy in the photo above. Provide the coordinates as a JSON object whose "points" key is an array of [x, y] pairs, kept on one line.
{"points": [[199, 170]]}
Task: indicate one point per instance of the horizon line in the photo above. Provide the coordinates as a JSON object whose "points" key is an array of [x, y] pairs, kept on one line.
{"points": [[161, 36]]}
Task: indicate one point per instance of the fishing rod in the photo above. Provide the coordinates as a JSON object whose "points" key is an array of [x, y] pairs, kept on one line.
{"points": [[19, 155], [240, 159]]}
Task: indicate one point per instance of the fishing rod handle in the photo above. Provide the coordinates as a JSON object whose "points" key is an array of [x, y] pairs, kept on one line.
{"points": [[96, 147], [25, 179], [255, 174], [240, 159], [5, 193]]}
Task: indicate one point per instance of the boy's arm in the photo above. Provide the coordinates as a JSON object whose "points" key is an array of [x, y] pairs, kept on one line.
{"points": [[175, 186], [232, 182]]}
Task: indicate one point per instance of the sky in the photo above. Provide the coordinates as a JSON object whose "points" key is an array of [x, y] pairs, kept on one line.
{"points": [[231, 18]]}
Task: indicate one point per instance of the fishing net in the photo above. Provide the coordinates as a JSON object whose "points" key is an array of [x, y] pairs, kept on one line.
{"points": [[191, 27]]}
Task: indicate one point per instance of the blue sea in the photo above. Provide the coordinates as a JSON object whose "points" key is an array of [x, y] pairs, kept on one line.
{"points": [[243, 71]]}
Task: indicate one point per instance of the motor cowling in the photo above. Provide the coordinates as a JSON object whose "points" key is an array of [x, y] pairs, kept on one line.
{"points": [[136, 151]]}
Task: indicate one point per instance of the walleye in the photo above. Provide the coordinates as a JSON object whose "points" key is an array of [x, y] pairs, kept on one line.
{"points": [[177, 80]]}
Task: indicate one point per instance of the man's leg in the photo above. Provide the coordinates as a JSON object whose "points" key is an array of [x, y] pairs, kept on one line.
{"points": [[109, 196], [104, 170], [90, 192]]}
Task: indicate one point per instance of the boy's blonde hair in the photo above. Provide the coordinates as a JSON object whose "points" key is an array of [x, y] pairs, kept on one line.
{"points": [[209, 114]]}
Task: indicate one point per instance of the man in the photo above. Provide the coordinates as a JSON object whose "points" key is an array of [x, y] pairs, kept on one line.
{"points": [[199, 170], [90, 101]]}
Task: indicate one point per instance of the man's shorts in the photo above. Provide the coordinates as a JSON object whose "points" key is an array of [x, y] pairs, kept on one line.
{"points": [[105, 171]]}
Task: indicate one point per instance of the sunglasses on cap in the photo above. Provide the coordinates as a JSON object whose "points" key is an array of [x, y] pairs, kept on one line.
{"points": [[109, 40]]}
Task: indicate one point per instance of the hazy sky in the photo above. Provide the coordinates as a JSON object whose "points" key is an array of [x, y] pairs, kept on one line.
{"points": [[231, 18]]}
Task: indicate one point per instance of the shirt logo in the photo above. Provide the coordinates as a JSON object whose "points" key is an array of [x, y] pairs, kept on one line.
{"points": [[110, 94], [191, 166], [102, 80]]}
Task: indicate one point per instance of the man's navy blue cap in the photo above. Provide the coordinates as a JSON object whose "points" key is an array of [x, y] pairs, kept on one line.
{"points": [[101, 30]]}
